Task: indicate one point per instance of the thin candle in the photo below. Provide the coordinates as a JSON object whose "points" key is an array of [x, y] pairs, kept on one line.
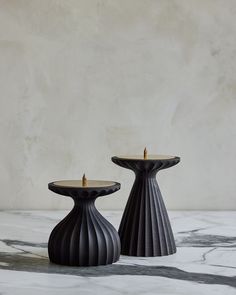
{"points": [[145, 154], [84, 181]]}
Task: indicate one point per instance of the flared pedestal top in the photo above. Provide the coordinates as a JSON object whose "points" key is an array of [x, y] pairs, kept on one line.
{"points": [[75, 188], [151, 163], [149, 157]]}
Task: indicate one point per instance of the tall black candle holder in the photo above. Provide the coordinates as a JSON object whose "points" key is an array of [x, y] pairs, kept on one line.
{"points": [[145, 228]]}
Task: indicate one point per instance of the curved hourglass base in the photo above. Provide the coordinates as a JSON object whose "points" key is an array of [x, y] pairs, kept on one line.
{"points": [[84, 237]]}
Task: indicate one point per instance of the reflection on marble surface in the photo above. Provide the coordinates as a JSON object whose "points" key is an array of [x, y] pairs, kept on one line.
{"points": [[205, 262]]}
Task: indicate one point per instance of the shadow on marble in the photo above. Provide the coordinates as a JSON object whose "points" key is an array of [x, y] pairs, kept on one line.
{"points": [[19, 262]]}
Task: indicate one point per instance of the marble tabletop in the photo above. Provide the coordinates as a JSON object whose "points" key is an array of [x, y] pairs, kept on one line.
{"points": [[205, 262]]}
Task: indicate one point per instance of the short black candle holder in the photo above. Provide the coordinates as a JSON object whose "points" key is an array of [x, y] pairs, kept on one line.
{"points": [[84, 237], [145, 228]]}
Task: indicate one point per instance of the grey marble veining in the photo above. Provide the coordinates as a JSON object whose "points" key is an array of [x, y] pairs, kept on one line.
{"points": [[205, 262]]}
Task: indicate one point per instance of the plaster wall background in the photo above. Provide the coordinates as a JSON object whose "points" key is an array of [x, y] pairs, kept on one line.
{"points": [[81, 81]]}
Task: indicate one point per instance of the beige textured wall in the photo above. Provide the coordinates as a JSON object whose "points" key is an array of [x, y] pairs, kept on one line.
{"points": [[82, 80]]}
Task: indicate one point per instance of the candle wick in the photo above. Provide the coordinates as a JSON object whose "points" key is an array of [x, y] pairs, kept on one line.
{"points": [[145, 153], [84, 180]]}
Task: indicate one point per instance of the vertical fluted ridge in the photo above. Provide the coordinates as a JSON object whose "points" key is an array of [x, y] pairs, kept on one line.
{"points": [[84, 238], [146, 220]]}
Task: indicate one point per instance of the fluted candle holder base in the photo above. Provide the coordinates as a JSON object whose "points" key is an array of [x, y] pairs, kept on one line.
{"points": [[84, 237], [145, 228]]}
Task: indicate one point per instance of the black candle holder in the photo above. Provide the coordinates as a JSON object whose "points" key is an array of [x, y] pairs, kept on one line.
{"points": [[84, 237], [145, 228]]}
